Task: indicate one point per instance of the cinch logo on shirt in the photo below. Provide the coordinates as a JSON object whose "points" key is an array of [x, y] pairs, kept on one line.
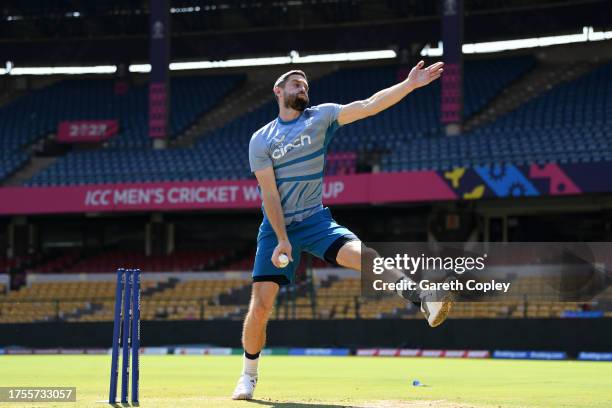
{"points": [[282, 150]]}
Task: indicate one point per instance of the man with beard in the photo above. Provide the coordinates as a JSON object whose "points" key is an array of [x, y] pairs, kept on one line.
{"points": [[288, 157]]}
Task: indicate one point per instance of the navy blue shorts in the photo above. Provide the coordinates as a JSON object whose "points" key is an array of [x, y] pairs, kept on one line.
{"points": [[319, 235]]}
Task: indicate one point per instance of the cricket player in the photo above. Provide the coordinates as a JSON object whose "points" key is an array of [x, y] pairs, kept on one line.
{"points": [[288, 158]]}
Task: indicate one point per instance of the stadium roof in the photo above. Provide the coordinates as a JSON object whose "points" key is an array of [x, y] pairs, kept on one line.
{"points": [[115, 31]]}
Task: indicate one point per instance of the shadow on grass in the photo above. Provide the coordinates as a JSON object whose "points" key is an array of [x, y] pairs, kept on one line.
{"points": [[275, 404]]}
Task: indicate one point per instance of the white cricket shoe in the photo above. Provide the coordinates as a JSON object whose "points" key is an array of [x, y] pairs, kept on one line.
{"points": [[245, 387], [436, 307]]}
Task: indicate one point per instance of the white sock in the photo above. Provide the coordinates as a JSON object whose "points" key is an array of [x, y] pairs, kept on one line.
{"points": [[250, 366]]}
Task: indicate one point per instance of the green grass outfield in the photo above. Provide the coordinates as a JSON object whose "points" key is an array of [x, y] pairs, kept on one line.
{"points": [[298, 382]]}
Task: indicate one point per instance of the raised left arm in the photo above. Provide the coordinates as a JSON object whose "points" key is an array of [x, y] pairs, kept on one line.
{"points": [[388, 97]]}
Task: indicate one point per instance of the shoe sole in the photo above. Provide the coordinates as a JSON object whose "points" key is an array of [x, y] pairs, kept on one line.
{"points": [[242, 397], [447, 305]]}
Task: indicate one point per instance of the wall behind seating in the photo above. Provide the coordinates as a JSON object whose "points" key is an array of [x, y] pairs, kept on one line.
{"points": [[570, 335]]}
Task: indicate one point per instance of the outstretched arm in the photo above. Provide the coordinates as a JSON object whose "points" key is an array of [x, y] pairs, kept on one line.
{"points": [[388, 97]]}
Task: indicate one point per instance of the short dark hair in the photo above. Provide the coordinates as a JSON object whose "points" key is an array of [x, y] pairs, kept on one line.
{"points": [[283, 78]]}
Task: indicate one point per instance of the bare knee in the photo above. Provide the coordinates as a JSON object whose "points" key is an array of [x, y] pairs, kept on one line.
{"points": [[259, 311], [349, 255], [262, 301]]}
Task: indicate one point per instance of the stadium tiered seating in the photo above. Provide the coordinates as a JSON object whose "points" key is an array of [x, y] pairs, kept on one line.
{"points": [[418, 116], [174, 299], [519, 147], [380, 308], [41, 111], [340, 163], [243, 264], [190, 97], [341, 299], [53, 300], [17, 262], [223, 154], [486, 78], [38, 113], [64, 290], [6, 263], [546, 129], [109, 261], [197, 299], [337, 301], [57, 264], [187, 300], [126, 166], [94, 300], [27, 312], [11, 162]]}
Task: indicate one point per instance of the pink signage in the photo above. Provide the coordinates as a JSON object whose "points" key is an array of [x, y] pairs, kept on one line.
{"points": [[79, 131], [409, 186], [451, 94], [241, 194], [158, 110]]}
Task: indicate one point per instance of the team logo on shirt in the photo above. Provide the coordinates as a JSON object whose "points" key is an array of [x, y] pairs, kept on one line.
{"points": [[279, 140], [281, 150]]}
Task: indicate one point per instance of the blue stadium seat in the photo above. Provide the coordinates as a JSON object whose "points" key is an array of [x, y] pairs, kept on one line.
{"points": [[547, 128]]}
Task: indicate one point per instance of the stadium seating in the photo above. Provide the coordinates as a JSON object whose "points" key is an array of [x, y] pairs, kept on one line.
{"points": [[6, 263], [109, 261], [37, 114], [335, 298], [190, 97], [81, 261], [18, 262], [176, 308], [94, 301], [243, 264], [543, 130], [197, 299], [418, 116], [340, 163], [10, 162], [485, 78], [57, 300], [56, 264], [337, 301], [222, 154], [546, 129], [338, 298]]}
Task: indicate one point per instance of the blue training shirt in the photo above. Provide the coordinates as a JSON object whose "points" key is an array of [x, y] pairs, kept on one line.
{"points": [[296, 150]]}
